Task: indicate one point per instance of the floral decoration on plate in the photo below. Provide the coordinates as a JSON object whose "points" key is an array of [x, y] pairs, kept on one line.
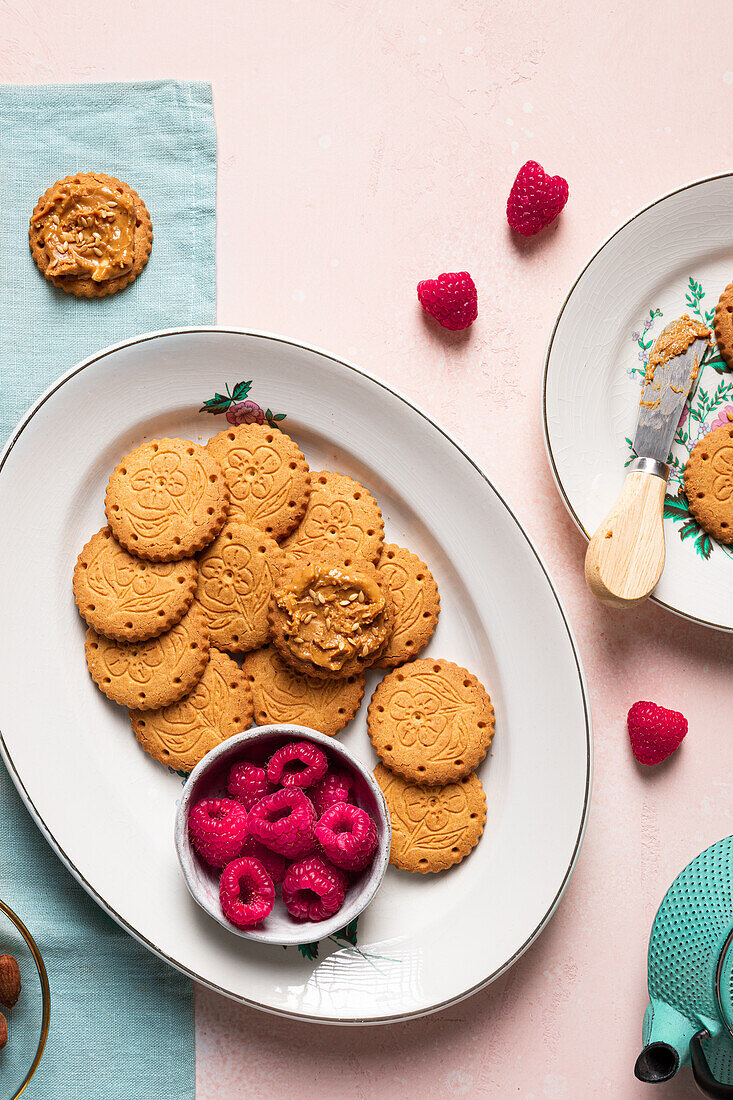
{"points": [[239, 408]]}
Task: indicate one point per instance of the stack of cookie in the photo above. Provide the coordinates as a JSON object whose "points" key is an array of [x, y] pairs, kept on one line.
{"points": [[238, 548]]}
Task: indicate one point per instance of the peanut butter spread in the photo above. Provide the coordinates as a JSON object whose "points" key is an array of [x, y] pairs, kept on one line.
{"points": [[333, 614], [88, 229], [674, 340]]}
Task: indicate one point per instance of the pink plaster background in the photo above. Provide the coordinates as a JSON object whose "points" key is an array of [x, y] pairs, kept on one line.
{"points": [[362, 148]]}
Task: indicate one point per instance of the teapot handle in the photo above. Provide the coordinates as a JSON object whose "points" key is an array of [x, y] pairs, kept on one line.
{"points": [[704, 1079]]}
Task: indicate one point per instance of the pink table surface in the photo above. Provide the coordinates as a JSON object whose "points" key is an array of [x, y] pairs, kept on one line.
{"points": [[361, 149]]}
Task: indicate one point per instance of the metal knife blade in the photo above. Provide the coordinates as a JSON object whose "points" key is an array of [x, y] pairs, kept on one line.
{"points": [[663, 399]]}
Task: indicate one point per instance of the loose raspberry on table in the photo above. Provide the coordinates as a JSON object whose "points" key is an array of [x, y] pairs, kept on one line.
{"points": [[217, 828], [283, 821], [451, 299], [655, 733], [246, 892], [313, 889], [535, 199], [247, 784], [334, 787], [275, 865], [297, 764], [347, 835]]}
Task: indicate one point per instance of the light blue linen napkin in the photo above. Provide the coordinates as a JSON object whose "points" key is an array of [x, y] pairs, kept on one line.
{"points": [[121, 1021]]}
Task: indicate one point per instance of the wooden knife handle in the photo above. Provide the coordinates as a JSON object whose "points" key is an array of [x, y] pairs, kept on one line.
{"points": [[625, 557]]}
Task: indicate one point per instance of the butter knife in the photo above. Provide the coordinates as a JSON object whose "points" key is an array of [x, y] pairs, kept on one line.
{"points": [[625, 557]]}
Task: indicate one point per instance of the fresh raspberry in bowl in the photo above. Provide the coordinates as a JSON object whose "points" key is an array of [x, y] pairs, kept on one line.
{"points": [[313, 890], [250, 857], [283, 821], [297, 764], [246, 892], [347, 835]]}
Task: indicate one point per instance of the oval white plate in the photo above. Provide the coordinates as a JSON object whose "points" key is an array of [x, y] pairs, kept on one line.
{"points": [[108, 808], [673, 257]]}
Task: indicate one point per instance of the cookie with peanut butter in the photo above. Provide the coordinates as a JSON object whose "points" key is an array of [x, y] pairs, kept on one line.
{"points": [[90, 234], [342, 518], [237, 573], [331, 617], [415, 602], [280, 694], [431, 721]]}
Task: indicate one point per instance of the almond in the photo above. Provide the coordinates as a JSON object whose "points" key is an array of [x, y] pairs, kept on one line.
{"points": [[9, 980], [3, 1031]]}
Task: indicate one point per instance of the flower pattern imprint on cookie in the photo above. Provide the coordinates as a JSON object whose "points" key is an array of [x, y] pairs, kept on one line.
{"points": [[236, 576], [723, 466], [432, 714], [251, 477], [327, 528], [419, 816], [407, 609], [164, 490], [219, 706], [342, 517]]}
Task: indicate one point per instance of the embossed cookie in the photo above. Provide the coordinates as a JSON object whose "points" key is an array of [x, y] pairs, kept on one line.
{"points": [[166, 500], [280, 694], [432, 827], [218, 707], [152, 674], [415, 603], [236, 576], [431, 721], [267, 475], [330, 617], [708, 483], [129, 599], [90, 234], [723, 324], [342, 517]]}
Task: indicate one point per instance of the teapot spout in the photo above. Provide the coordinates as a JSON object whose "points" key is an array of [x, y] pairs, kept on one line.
{"points": [[666, 1035]]}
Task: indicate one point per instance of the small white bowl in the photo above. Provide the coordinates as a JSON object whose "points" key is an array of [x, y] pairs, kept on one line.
{"points": [[208, 779]]}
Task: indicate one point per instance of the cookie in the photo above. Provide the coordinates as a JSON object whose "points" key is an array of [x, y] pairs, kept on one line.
{"points": [[166, 500], [431, 721], [267, 475], [342, 517], [236, 576], [432, 827], [90, 234], [723, 325], [280, 694], [152, 674], [219, 706], [330, 617], [708, 483], [415, 603], [129, 599]]}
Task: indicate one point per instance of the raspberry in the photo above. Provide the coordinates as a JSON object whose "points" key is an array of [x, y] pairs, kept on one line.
{"points": [[246, 892], [348, 836], [334, 787], [535, 199], [247, 783], [451, 299], [313, 890], [275, 865], [217, 827], [283, 821], [298, 764], [654, 732]]}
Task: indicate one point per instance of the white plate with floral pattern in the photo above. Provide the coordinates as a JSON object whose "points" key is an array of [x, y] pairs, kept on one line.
{"points": [[675, 256], [108, 808]]}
